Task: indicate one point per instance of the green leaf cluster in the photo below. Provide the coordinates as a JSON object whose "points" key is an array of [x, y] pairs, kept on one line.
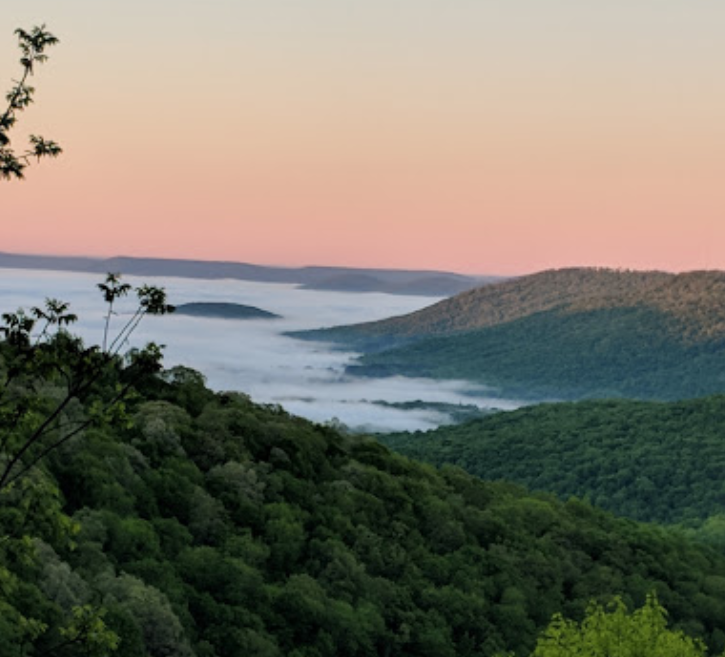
{"points": [[611, 631]]}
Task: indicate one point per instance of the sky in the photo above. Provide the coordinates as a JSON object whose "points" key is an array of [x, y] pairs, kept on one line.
{"points": [[306, 378], [478, 136]]}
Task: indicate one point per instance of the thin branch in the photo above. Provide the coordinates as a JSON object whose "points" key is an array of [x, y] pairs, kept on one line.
{"points": [[10, 111], [128, 330], [84, 425], [33, 438], [64, 644], [43, 428], [108, 324]]}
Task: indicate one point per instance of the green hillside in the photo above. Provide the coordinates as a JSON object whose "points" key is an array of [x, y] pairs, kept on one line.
{"points": [[211, 526], [618, 352], [661, 462], [564, 334]]}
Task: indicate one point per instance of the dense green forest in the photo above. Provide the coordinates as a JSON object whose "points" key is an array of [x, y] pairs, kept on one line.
{"points": [[567, 334], [199, 523], [598, 353], [650, 461]]}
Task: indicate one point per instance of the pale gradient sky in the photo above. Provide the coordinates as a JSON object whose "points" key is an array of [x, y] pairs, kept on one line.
{"points": [[482, 136]]}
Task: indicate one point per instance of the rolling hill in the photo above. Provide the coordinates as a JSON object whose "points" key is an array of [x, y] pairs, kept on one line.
{"points": [[561, 334], [651, 461]]}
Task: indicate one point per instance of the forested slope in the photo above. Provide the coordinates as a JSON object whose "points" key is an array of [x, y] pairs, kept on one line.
{"points": [[697, 299], [564, 334], [621, 352], [650, 461], [211, 526]]}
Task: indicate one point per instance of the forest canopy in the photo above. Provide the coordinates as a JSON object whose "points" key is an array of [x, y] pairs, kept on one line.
{"points": [[200, 523]]}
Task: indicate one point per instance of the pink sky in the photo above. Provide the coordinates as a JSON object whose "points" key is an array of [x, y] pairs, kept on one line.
{"points": [[484, 137]]}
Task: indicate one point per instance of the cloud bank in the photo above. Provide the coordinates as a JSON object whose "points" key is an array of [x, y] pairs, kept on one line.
{"points": [[253, 356]]}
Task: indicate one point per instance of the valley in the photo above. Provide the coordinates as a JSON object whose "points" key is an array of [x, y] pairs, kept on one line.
{"points": [[240, 528], [362, 329], [257, 357]]}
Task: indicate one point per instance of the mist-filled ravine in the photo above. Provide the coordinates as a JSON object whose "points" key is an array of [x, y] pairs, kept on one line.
{"points": [[255, 357]]}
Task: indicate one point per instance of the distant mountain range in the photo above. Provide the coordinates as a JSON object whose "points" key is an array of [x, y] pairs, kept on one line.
{"points": [[390, 281], [561, 334]]}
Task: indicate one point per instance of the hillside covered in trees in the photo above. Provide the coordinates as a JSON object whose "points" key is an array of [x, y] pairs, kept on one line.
{"points": [[206, 525], [650, 461], [563, 334]]}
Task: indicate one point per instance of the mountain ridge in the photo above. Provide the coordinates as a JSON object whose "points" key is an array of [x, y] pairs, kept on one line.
{"points": [[560, 334], [570, 288], [390, 281]]}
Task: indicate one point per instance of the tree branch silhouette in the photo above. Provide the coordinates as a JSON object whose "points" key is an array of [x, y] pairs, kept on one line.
{"points": [[33, 45]]}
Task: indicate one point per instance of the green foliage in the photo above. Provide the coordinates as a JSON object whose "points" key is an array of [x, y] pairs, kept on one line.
{"points": [[87, 629], [650, 461], [613, 632], [53, 388], [205, 525], [243, 529], [33, 45], [54, 391]]}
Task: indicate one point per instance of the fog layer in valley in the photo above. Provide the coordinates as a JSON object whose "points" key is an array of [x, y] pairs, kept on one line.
{"points": [[253, 356]]}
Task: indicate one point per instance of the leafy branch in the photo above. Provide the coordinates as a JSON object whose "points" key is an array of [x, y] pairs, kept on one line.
{"points": [[87, 629], [52, 389], [48, 375], [33, 45]]}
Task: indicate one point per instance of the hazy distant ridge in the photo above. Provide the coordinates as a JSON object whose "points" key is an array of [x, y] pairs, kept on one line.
{"points": [[391, 281]]}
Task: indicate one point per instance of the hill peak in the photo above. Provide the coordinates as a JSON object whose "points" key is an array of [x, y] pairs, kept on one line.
{"points": [[696, 297]]}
